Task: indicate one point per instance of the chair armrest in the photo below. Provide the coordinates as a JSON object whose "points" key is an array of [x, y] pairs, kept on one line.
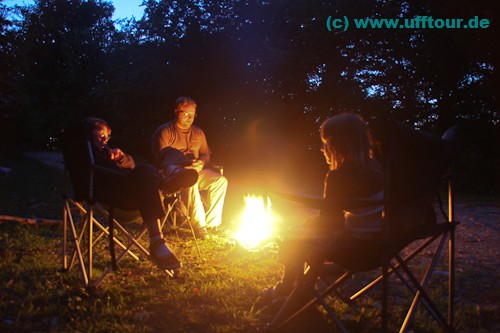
{"points": [[109, 171], [320, 203], [217, 167]]}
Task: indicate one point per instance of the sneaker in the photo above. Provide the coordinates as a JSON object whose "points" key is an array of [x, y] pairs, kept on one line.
{"points": [[167, 262], [180, 178]]}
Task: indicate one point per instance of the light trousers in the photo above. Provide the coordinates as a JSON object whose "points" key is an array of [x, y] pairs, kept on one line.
{"points": [[215, 185]]}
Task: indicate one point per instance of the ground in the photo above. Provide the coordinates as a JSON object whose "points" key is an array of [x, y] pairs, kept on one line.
{"points": [[477, 252]]}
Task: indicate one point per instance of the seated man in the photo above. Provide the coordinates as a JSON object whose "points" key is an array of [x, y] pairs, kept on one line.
{"points": [[135, 187], [181, 134]]}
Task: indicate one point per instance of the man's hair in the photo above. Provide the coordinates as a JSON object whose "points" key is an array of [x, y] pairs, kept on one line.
{"points": [[181, 101], [347, 136]]}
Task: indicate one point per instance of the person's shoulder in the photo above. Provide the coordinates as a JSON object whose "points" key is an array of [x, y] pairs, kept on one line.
{"points": [[197, 130], [168, 126]]}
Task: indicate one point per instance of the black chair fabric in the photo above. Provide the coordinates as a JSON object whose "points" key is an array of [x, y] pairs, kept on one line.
{"points": [[415, 164], [100, 188]]}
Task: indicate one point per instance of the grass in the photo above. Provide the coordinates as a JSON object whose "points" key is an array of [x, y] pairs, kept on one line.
{"points": [[215, 294]]}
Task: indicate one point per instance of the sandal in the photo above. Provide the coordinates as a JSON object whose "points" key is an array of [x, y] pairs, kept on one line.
{"points": [[168, 262]]}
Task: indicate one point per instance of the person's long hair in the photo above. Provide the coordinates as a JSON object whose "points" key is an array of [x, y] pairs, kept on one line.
{"points": [[348, 140]]}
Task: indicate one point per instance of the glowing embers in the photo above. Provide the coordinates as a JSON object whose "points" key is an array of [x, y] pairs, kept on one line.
{"points": [[256, 222]]}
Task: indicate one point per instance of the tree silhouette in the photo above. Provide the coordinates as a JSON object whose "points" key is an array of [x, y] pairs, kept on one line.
{"points": [[265, 73]]}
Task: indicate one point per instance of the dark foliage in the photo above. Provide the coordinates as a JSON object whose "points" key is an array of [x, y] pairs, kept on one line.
{"points": [[265, 74]]}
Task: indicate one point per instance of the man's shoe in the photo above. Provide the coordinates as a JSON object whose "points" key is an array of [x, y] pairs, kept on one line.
{"points": [[181, 178]]}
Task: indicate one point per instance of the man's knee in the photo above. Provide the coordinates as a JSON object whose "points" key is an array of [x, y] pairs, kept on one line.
{"points": [[221, 183]]}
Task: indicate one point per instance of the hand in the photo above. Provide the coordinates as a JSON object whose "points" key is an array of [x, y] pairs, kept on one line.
{"points": [[116, 154], [197, 165]]}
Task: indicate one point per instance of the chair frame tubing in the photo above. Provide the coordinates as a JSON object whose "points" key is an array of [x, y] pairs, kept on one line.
{"points": [[409, 279], [84, 255], [173, 209]]}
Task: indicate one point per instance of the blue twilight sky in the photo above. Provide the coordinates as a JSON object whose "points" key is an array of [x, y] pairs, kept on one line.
{"points": [[123, 8]]}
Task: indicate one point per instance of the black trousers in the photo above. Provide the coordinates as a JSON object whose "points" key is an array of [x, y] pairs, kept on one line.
{"points": [[137, 189]]}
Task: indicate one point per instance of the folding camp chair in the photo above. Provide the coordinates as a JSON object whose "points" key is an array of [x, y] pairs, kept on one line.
{"points": [[86, 221], [415, 164], [177, 218]]}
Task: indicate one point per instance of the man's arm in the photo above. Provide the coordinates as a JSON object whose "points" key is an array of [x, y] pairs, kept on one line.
{"points": [[160, 140], [126, 162], [113, 158], [204, 153], [122, 160]]}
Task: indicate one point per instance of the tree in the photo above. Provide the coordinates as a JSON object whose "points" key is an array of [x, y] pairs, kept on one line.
{"points": [[9, 81], [60, 53], [262, 71]]}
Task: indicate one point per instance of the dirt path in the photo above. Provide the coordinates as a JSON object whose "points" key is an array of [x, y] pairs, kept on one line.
{"points": [[52, 159], [477, 256]]}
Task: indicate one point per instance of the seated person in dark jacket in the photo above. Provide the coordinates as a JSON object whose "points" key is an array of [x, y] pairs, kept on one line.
{"points": [[135, 187], [353, 174]]}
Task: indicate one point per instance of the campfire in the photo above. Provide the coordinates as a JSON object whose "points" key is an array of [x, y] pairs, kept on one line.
{"points": [[256, 222]]}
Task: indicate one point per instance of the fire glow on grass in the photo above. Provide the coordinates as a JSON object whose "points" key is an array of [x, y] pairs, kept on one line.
{"points": [[256, 223]]}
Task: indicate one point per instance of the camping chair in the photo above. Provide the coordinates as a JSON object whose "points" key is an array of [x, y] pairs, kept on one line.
{"points": [[178, 203], [408, 221], [84, 218], [168, 161], [177, 218]]}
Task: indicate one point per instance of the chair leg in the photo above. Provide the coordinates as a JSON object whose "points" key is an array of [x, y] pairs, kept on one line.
{"points": [[90, 234], [385, 294], [330, 311], [451, 277], [174, 209], [394, 268], [194, 237], [124, 231], [65, 237], [105, 231], [280, 318], [429, 304], [283, 317], [84, 240], [78, 239], [451, 250], [77, 252]]}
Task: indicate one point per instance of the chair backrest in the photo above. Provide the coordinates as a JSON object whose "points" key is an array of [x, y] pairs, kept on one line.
{"points": [[78, 158], [365, 222], [414, 165]]}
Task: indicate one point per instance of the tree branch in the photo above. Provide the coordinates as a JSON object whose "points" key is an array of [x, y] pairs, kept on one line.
{"points": [[29, 221]]}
